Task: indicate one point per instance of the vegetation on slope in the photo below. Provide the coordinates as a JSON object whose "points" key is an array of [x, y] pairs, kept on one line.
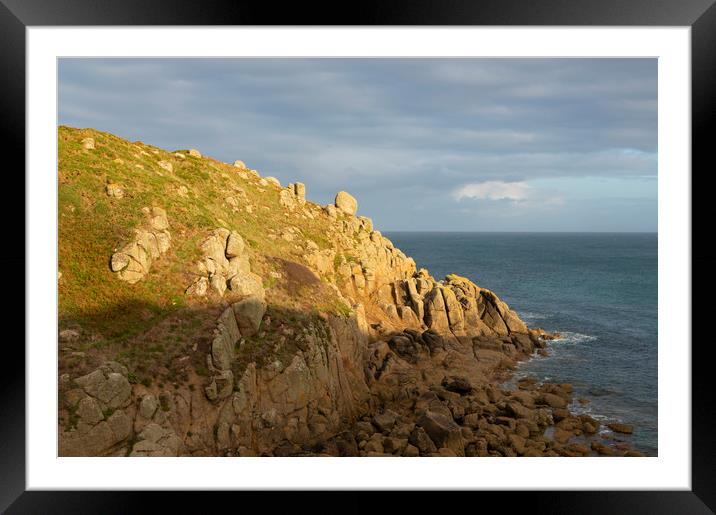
{"points": [[151, 324]]}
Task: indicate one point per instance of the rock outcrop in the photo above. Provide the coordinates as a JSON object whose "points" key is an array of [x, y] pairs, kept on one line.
{"points": [[98, 421], [134, 260], [224, 264]]}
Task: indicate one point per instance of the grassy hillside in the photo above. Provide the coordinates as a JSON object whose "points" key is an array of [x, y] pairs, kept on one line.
{"points": [[148, 324]]}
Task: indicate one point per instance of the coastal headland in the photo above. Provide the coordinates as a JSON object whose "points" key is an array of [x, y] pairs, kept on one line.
{"points": [[207, 310]]}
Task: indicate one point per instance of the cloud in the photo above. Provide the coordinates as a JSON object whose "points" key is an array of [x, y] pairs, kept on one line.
{"points": [[494, 190], [389, 130]]}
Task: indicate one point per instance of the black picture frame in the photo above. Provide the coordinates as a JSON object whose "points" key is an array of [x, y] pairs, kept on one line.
{"points": [[700, 15]]}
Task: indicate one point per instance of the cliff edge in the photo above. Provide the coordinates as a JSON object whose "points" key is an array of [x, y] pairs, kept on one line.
{"points": [[207, 310]]}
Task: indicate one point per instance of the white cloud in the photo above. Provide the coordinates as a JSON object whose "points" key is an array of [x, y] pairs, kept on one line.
{"points": [[494, 190]]}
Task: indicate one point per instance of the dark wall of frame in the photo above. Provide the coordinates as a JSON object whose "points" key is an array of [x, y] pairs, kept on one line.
{"points": [[700, 15]]}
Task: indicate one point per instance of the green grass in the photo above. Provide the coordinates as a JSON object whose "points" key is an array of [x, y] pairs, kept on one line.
{"points": [[135, 323]]}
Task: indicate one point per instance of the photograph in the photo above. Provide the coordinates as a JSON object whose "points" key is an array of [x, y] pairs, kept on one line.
{"points": [[357, 257]]}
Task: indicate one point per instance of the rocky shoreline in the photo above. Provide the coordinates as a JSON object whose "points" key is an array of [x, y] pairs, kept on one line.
{"points": [[458, 418]]}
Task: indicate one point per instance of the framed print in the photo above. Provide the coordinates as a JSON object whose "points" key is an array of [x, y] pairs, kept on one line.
{"points": [[428, 248]]}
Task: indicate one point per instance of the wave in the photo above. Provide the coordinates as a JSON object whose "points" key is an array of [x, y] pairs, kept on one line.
{"points": [[568, 337]]}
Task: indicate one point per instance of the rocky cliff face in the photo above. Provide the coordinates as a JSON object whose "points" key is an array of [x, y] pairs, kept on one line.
{"points": [[229, 315]]}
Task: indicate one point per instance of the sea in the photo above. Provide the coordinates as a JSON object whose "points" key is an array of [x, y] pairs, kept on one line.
{"points": [[599, 290]]}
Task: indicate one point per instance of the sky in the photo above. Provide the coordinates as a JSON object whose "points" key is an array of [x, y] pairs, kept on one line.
{"points": [[423, 144]]}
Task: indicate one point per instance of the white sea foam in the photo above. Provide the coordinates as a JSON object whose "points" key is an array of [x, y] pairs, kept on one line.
{"points": [[568, 337]]}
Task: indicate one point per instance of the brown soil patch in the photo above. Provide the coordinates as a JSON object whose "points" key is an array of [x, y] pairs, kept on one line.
{"points": [[297, 273]]}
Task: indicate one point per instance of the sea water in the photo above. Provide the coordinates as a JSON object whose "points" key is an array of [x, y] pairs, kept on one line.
{"points": [[599, 290]]}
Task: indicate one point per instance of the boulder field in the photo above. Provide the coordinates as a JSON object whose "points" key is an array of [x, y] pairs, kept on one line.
{"points": [[268, 325]]}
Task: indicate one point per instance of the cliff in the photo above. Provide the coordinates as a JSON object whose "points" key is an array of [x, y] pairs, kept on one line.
{"points": [[207, 310]]}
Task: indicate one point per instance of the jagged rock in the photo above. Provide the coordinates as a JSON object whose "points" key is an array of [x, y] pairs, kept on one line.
{"points": [[240, 164], [273, 180], [88, 143], [166, 165], [194, 153], [346, 203], [114, 190], [249, 313]]}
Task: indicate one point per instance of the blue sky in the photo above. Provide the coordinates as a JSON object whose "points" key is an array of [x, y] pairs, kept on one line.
{"points": [[423, 144]]}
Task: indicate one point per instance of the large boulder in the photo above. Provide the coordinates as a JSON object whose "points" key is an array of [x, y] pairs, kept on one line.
{"points": [[443, 431], [346, 203], [246, 284], [234, 245], [248, 313]]}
